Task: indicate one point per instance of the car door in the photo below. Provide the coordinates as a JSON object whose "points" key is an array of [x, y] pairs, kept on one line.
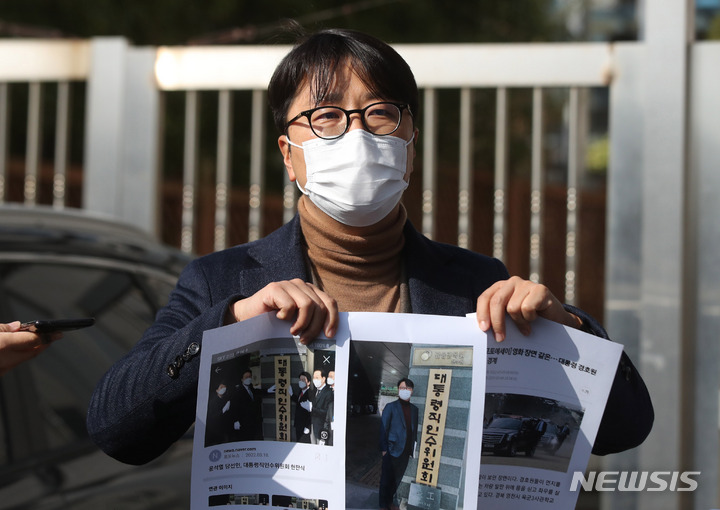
{"points": [[46, 457]]}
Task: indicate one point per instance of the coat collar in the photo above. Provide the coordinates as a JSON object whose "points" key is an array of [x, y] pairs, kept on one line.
{"points": [[435, 287], [279, 256], [276, 257]]}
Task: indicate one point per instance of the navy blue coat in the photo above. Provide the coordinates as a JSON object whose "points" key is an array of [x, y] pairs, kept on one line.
{"points": [[393, 432], [137, 410]]}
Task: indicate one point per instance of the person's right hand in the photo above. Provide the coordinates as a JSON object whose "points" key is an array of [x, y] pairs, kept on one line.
{"points": [[17, 346], [310, 310]]}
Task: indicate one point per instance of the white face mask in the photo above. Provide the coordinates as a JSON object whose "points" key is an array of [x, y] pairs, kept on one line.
{"points": [[247, 381], [317, 382], [404, 394], [330, 381], [302, 384], [221, 391], [356, 179]]}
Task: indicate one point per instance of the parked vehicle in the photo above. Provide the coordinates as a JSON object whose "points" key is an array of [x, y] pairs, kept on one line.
{"points": [[56, 265], [508, 435]]}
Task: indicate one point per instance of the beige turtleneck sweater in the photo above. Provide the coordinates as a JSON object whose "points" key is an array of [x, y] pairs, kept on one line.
{"points": [[361, 267]]}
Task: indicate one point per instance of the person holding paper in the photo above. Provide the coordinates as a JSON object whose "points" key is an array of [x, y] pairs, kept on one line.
{"points": [[346, 106], [398, 434]]}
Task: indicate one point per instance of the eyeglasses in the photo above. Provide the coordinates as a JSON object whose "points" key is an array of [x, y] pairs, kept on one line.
{"points": [[331, 122]]}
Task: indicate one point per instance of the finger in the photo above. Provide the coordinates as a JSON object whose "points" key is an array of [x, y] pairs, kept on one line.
{"points": [[13, 358], [332, 316], [314, 327], [521, 308], [311, 310], [280, 298], [325, 313], [497, 310], [9, 327], [292, 300], [483, 306], [491, 307], [550, 307], [539, 300], [271, 297], [20, 341]]}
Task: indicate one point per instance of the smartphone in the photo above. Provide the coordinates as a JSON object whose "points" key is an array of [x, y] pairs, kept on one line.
{"points": [[51, 326]]}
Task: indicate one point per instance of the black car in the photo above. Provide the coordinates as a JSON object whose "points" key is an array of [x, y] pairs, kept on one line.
{"points": [[58, 265], [508, 435]]}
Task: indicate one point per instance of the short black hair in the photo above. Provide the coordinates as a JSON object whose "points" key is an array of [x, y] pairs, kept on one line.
{"points": [[306, 374], [407, 382], [316, 59]]}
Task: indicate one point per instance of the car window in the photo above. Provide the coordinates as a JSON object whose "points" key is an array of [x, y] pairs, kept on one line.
{"points": [[506, 423], [44, 402]]}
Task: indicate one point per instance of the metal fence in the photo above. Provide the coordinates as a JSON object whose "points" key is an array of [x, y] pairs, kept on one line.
{"points": [[128, 117], [505, 137]]}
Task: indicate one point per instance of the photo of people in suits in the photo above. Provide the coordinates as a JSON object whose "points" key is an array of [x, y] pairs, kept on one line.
{"points": [[234, 410], [243, 397]]}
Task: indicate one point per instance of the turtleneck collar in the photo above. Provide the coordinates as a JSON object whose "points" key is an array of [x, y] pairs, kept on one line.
{"points": [[359, 266]]}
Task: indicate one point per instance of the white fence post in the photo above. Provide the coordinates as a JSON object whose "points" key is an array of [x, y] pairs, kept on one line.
{"points": [[103, 125], [624, 213], [142, 146], [705, 190], [122, 133], [667, 283], [652, 278]]}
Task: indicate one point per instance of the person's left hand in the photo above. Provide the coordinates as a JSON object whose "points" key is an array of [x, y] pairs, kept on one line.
{"points": [[17, 346], [523, 301]]}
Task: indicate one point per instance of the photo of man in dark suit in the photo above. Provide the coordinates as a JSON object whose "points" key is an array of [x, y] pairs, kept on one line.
{"points": [[321, 402], [330, 417], [249, 401], [398, 434], [220, 417], [303, 416]]}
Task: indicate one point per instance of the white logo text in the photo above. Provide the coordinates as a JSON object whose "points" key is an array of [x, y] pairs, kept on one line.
{"points": [[635, 481]]}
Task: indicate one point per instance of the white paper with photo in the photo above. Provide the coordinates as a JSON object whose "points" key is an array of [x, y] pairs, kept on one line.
{"points": [[231, 464], [440, 356], [544, 400]]}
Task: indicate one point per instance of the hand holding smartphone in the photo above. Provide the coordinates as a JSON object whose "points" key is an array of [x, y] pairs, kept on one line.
{"points": [[55, 325]]}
